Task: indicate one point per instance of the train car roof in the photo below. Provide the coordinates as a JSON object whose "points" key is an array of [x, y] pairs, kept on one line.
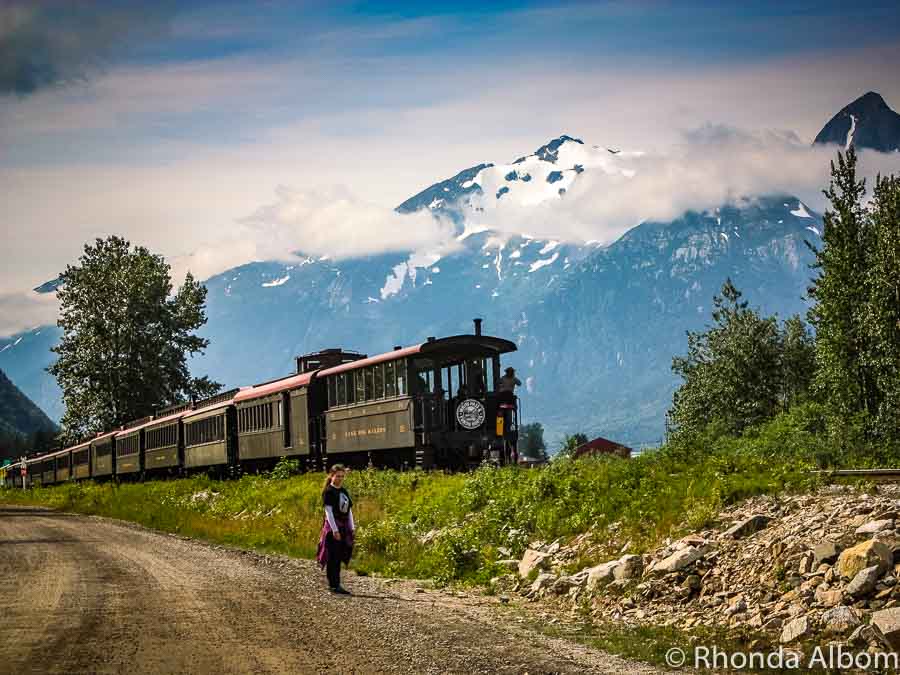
{"points": [[103, 437], [161, 420], [56, 453], [199, 411], [80, 446], [284, 384], [371, 361], [453, 346]]}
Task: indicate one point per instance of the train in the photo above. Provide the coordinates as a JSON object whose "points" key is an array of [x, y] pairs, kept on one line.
{"points": [[433, 405]]}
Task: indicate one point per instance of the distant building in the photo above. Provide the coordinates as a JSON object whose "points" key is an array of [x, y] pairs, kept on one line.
{"points": [[602, 446], [531, 462]]}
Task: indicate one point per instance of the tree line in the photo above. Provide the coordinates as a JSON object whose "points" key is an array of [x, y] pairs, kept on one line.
{"points": [[747, 368]]}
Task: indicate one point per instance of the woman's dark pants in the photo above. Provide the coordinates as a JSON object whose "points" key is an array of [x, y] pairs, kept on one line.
{"points": [[333, 566]]}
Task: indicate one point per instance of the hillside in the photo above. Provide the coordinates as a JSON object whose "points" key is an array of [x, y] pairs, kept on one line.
{"points": [[18, 415]]}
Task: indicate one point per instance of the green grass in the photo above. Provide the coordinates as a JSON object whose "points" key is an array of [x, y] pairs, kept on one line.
{"points": [[487, 515]]}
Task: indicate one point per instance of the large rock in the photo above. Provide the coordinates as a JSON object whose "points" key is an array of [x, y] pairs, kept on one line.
{"points": [[795, 630], [839, 620], [630, 566], [857, 558], [747, 526], [864, 582], [829, 597], [888, 622], [874, 526], [825, 552], [601, 574], [544, 580], [533, 560], [678, 560]]}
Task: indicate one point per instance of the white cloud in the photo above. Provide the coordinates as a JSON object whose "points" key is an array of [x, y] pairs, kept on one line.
{"points": [[712, 166], [20, 311], [327, 222]]}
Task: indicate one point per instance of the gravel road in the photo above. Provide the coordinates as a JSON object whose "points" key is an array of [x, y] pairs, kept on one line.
{"points": [[84, 594]]}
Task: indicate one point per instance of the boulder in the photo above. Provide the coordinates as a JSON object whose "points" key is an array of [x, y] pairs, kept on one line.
{"points": [[857, 558], [864, 582], [888, 622], [630, 567], [829, 597], [678, 560], [533, 560], [544, 580], [839, 620], [601, 574], [825, 552], [874, 526], [796, 629], [747, 526], [511, 564]]}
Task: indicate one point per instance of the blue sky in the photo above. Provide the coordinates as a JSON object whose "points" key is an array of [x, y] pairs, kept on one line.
{"points": [[171, 122]]}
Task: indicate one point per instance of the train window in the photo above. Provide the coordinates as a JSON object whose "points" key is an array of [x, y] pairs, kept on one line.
{"points": [[390, 380], [402, 387], [340, 388], [332, 392], [370, 383], [279, 413], [378, 370], [359, 378]]}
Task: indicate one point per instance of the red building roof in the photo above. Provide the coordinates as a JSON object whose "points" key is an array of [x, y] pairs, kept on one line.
{"points": [[602, 446]]}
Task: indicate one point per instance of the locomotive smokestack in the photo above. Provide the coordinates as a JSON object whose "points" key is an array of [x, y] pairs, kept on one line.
{"points": [[477, 326]]}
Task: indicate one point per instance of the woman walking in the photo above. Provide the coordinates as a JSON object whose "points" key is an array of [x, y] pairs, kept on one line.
{"points": [[336, 539]]}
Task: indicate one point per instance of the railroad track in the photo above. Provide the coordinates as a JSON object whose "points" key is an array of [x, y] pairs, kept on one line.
{"points": [[881, 475]]}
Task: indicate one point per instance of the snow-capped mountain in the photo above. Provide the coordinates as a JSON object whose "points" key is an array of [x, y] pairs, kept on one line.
{"points": [[596, 325]]}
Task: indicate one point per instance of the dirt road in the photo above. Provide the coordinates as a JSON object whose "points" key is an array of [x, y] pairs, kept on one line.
{"points": [[83, 595]]}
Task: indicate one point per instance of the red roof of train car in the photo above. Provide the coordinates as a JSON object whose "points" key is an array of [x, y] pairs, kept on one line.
{"points": [[283, 384], [372, 360]]}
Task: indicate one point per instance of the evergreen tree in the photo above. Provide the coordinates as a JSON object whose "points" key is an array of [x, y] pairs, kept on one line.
{"points": [[123, 352], [840, 294], [741, 371], [881, 317]]}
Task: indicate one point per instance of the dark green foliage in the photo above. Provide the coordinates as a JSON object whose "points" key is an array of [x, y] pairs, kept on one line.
{"points": [[125, 337], [857, 304], [840, 296], [740, 372], [882, 310], [570, 443], [531, 440]]}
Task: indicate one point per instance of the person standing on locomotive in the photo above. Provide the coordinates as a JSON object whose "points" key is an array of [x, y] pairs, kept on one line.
{"points": [[507, 386], [336, 539]]}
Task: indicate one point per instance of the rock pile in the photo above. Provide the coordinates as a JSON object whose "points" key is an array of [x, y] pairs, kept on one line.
{"points": [[795, 569]]}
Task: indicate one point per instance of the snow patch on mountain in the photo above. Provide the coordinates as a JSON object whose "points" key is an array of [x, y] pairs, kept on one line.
{"points": [[535, 266], [851, 132], [277, 282], [801, 211]]}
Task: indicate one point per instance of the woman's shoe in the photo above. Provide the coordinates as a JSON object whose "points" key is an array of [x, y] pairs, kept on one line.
{"points": [[341, 591]]}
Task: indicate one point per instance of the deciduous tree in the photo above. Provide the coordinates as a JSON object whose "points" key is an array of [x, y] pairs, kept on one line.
{"points": [[126, 337]]}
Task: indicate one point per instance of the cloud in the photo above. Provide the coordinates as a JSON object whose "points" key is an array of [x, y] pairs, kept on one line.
{"points": [[25, 310], [713, 165], [330, 222], [44, 43]]}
